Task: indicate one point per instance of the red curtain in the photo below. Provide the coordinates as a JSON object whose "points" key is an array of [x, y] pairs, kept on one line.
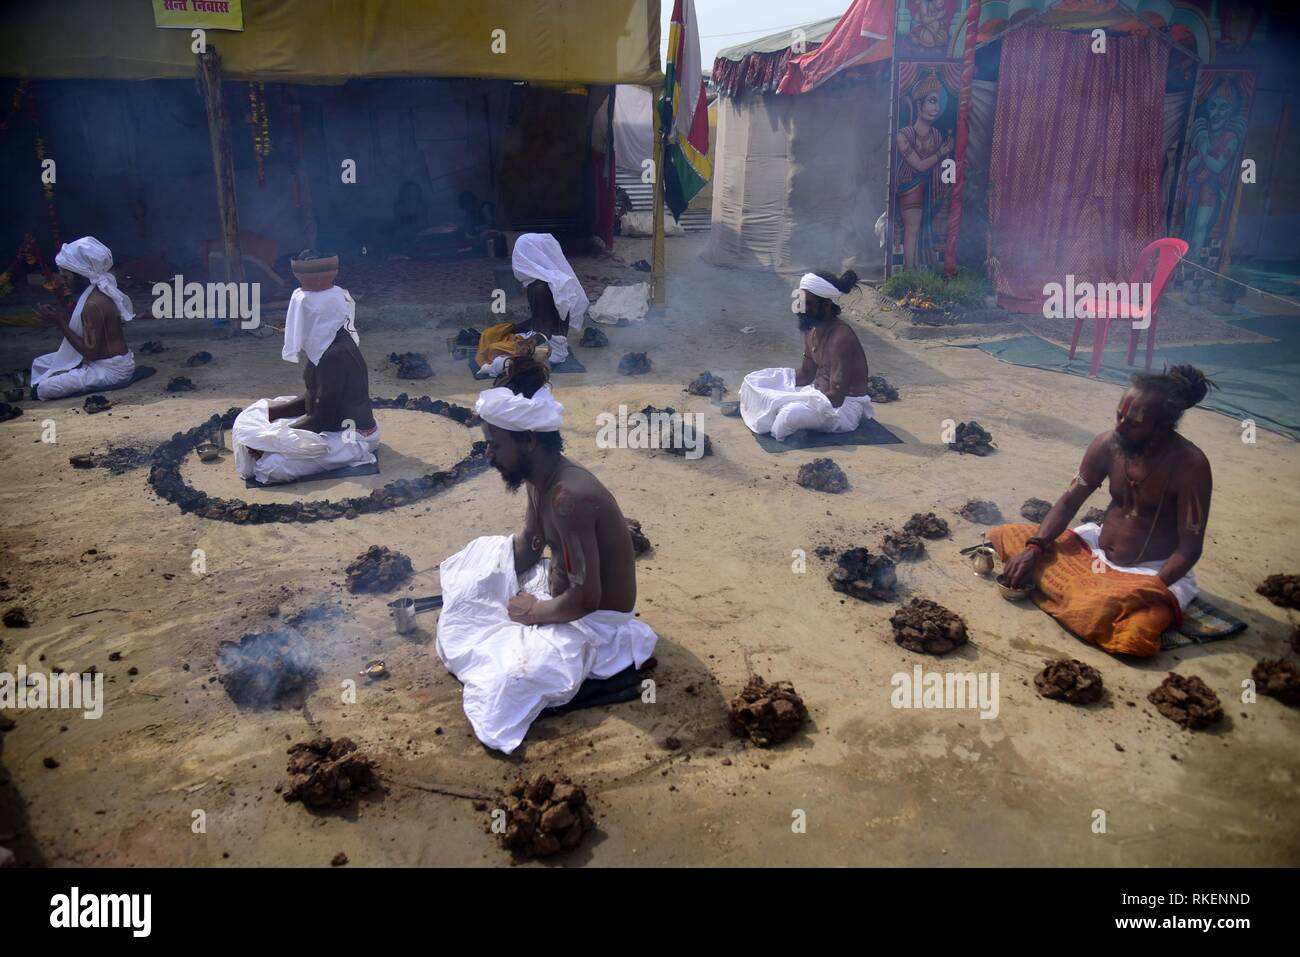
{"points": [[1075, 167]]}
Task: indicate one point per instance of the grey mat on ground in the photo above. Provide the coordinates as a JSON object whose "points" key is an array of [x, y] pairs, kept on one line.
{"points": [[624, 686], [346, 472], [141, 373], [870, 432], [571, 364], [1202, 622]]}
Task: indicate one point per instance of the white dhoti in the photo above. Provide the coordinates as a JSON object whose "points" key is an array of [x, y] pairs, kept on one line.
{"points": [[512, 672], [90, 375], [1184, 589], [289, 454], [771, 402]]}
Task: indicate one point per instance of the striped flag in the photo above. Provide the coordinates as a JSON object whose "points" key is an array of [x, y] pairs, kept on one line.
{"points": [[685, 112]]}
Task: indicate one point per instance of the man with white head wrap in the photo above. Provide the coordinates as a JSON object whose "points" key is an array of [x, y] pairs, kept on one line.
{"points": [[829, 391], [520, 631], [556, 298], [335, 426], [94, 353]]}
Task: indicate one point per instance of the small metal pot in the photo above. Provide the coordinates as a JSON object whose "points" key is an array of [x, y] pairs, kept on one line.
{"points": [[982, 560], [404, 615]]}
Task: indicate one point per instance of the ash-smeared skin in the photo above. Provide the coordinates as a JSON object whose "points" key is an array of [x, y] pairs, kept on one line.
{"points": [[1173, 482]]}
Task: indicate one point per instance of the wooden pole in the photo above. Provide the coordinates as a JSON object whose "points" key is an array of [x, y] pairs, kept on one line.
{"points": [[963, 134], [660, 289], [223, 164]]}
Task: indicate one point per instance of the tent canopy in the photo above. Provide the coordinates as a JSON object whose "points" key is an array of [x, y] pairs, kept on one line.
{"points": [[328, 41]]}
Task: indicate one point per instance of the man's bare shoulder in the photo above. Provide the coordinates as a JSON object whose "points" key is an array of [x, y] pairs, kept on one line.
{"points": [[578, 491], [1190, 456], [99, 308]]}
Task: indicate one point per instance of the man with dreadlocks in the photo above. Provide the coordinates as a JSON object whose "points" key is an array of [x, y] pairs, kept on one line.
{"points": [[522, 631], [1120, 584]]}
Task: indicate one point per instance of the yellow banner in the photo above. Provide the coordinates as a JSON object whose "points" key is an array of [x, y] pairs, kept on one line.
{"points": [[208, 14]]}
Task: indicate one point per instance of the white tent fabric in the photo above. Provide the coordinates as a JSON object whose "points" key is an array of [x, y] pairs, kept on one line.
{"points": [[633, 127]]}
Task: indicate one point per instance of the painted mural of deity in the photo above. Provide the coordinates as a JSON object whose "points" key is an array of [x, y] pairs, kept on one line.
{"points": [[1217, 134], [920, 147]]}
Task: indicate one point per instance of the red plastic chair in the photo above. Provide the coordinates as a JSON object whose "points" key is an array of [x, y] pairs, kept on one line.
{"points": [[1169, 251]]}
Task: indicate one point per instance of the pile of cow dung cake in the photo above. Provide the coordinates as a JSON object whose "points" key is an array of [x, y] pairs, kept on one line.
{"points": [[261, 668], [1282, 590], [703, 384], [864, 576], [1094, 515], [1278, 678], [765, 713], [972, 439], [378, 569], [180, 384], [879, 389], [676, 434], [1068, 679], [593, 338], [199, 359], [928, 525], [640, 543], [634, 363], [926, 626], [1187, 701], [1035, 510], [822, 475], [151, 348], [903, 546], [328, 773], [544, 817], [96, 403], [411, 365], [981, 512], [8, 411]]}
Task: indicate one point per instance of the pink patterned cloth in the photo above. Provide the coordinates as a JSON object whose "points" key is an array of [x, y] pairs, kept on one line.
{"points": [[1075, 166]]}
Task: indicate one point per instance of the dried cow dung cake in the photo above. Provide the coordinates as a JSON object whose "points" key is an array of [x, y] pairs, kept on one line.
{"points": [[1281, 590], [262, 667], [151, 348], [544, 817], [328, 773], [926, 626], [411, 365], [8, 411], [971, 438], [1094, 515], [765, 713], [180, 384], [593, 338], [864, 576], [981, 512], [97, 403], [199, 359], [640, 544], [1187, 701], [671, 433], [634, 363], [903, 546], [1068, 679], [378, 569], [879, 389], [1035, 510], [927, 525], [822, 475], [16, 617], [703, 384], [1278, 678]]}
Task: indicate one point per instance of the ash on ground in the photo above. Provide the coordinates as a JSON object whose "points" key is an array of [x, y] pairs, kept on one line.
{"points": [[262, 668], [593, 338], [640, 544], [925, 626], [634, 363], [1035, 510], [544, 817], [703, 384], [864, 576], [1278, 678], [822, 475], [927, 525], [180, 384], [879, 389], [378, 570], [328, 773], [981, 512], [903, 546], [972, 439], [1068, 679], [676, 434], [1188, 701], [1281, 590], [765, 713], [118, 459], [411, 365]]}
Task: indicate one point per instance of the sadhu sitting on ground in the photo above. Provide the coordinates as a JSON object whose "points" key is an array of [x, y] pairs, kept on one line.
{"points": [[829, 392], [523, 632], [331, 425], [1122, 584], [94, 353]]}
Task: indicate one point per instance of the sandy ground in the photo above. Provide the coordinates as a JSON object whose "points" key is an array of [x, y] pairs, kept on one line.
{"points": [[878, 786]]}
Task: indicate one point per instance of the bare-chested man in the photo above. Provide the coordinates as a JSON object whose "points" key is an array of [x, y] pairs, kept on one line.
{"points": [[1160, 487], [521, 631], [331, 425], [94, 353], [828, 393]]}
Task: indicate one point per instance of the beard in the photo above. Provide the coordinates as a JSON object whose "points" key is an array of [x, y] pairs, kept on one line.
{"points": [[806, 321], [515, 478], [1128, 446]]}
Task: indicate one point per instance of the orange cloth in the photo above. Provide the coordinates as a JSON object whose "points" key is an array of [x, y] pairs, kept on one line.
{"points": [[498, 340], [1120, 612]]}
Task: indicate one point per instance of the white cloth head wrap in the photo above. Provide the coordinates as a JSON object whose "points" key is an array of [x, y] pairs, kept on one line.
{"points": [[517, 413], [90, 258], [538, 256], [819, 286], [314, 319]]}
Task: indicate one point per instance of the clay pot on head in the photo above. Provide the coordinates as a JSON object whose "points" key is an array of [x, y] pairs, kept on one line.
{"points": [[315, 275]]}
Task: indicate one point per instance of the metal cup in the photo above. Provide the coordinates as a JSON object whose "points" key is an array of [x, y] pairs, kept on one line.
{"points": [[404, 615]]}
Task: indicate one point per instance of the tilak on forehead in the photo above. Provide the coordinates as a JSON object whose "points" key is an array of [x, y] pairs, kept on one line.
{"points": [[1126, 408]]}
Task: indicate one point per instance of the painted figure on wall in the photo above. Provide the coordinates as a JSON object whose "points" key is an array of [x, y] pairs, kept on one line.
{"points": [[1217, 134], [930, 19], [920, 148]]}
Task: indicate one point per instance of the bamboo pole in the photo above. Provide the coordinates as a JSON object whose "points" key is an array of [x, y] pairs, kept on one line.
{"points": [[223, 164], [660, 289]]}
